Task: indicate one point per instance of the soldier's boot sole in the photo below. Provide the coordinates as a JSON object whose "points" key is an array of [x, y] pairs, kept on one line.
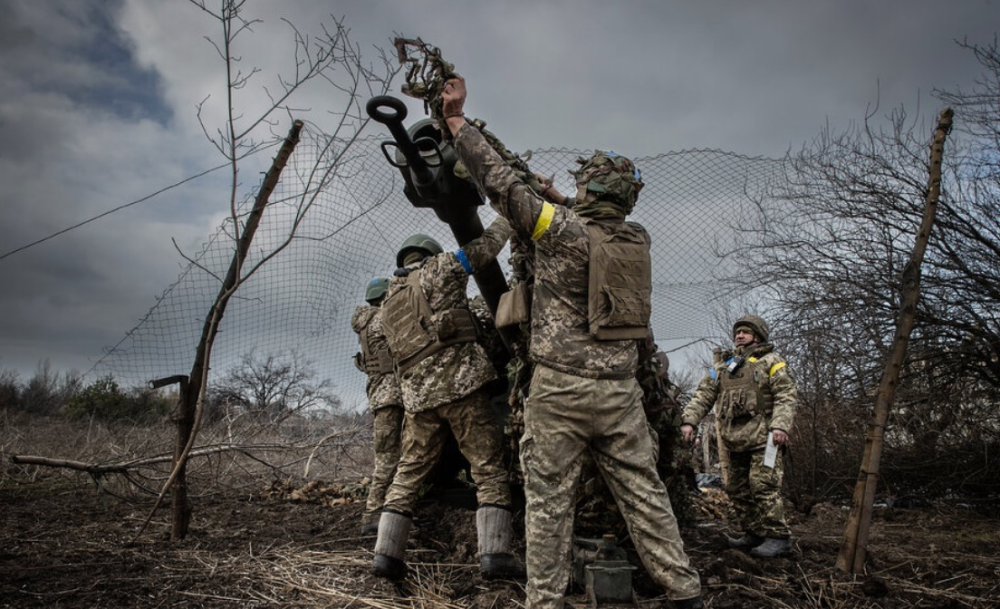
{"points": [[389, 567], [746, 542], [689, 603], [502, 566], [772, 548]]}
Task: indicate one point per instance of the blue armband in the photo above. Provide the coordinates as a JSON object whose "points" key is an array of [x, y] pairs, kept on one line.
{"points": [[460, 254]]}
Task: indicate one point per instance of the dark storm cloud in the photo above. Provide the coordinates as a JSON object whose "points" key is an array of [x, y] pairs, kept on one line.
{"points": [[97, 109]]}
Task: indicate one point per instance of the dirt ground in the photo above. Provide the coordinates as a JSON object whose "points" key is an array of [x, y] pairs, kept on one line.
{"points": [[64, 544]]}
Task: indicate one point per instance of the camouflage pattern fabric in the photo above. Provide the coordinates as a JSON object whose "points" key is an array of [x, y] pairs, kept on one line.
{"points": [[596, 511], [741, 428], [522, 264], [382, 389], [583, 394], [755, 491], [565, 416], [424, 436], [388, 429], [560, 335], [458, 370], [489, 337]]}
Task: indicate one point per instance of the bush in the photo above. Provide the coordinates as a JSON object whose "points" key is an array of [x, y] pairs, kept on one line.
{"points": [[106, 401], [10, 390], [41, 394]]}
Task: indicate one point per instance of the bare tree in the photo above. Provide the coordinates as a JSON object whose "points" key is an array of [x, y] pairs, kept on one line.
{"points": [[329, 60], [275, 387], [828, 249]]}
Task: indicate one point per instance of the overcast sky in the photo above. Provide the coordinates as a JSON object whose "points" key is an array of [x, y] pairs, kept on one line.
{"points": [[98, 109]]}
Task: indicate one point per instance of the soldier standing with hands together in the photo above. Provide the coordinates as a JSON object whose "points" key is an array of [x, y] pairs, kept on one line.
{"points": [[755, 398]]}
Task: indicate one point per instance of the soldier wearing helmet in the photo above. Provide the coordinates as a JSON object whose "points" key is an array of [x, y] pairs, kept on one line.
{"points": [[590, 306], [754, 398], [384, 398], [443, 373]]}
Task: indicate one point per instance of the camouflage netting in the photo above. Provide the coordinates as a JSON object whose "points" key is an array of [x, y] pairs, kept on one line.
{"points": [[302, 299]]}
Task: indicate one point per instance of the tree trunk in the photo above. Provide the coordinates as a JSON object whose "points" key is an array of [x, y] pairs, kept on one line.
{"points": [[854, 548], [188, 404]]}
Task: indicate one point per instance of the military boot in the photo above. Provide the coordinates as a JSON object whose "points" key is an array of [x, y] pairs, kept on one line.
{"points": [[369, 523], [749, 540], [772, 548], [495, 558], [393, 530], [689, 603]]}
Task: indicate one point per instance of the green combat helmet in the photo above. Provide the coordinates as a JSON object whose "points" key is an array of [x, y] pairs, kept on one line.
{"points": [[608, 176], [376, 289], [417, 242], [755, 323]]}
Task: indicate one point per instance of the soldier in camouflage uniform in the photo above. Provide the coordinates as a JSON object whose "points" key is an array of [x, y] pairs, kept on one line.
{"points": [[384, 398], [754, 395], [443, 372], [583, 394]]}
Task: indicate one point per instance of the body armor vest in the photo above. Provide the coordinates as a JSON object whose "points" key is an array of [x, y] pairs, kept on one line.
{"points": [[375, 356], [620, 284], [745, 392], [415, 332]]}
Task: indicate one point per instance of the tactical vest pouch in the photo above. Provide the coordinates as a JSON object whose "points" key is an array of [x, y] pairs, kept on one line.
{"points": [[380, 364], [514, 307], [405, 315], [373, 359], [414, 332], [741, 394], [455, 326], [621, 283]]}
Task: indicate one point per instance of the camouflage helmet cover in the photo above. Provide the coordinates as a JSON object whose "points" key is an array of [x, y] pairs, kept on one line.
{"points": [[756, 324], [376, 288], [608, 176], [420, 242]]}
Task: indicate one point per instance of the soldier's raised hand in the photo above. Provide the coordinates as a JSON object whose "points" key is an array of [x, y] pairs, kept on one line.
{"points": [[453, 103]]}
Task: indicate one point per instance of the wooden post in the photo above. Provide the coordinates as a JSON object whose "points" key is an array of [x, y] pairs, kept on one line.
{"points": [[852, 554], [180, 509], [720, 445], [187, 419], [706, 450]]}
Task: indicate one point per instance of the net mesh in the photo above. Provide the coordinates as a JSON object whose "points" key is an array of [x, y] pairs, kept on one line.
{"points": [[302, 299]]}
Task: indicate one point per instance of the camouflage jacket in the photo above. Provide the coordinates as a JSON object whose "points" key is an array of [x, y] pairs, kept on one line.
{"points": [[756, 397], [560, 337], [382, 389], [458, 370]]}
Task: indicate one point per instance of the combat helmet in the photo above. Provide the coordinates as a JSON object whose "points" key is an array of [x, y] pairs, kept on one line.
{"points": [[376, 289], [608, 176], [417, 242], [755, 323]]}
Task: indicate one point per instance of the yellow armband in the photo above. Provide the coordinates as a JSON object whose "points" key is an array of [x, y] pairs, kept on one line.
{"points": [[544, 221]]}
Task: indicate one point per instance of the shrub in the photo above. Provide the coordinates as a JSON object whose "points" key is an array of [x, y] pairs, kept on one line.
{"points": [[106, 401]]}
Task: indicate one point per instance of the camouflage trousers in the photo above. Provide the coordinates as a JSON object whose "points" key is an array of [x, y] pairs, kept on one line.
{"points": [[564, 417], [424, 435], [388, 431], [755, 491]]}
